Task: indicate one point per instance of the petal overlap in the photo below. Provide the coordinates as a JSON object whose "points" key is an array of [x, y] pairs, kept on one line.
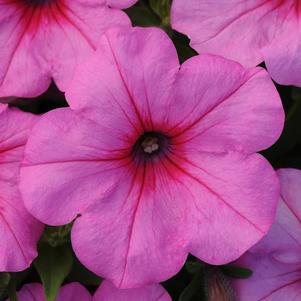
{"points": [[276, 260], [249, 32]]}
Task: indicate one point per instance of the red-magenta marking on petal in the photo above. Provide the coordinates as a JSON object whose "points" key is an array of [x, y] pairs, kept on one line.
{"points": [[33, 12]]}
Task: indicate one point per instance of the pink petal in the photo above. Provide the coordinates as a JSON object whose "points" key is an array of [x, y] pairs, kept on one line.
{"points": [[276, 260], [144, 243], [73, 292], [290, 180], [121, 3], [132, 87], [40, 43], [19, 231], [70, 292], [271, 280], [282, 56], [75, 163], [19, 57], [244, 113], [140, 227], [81, 26], [235, 29], [31, 292], [218, 27], [284, 238], [108, 292], [232, 200]]}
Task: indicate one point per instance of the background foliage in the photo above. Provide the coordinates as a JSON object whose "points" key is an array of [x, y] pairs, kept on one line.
{"points": [[57, 264]]}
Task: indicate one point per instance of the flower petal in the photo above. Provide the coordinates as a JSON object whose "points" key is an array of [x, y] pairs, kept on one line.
{"points": [[108, 292], [121, 3], [73, 292], [276, 260], [233, 199], [123, 77], [234, 29], [211, 25], [282, 56], [287, 225], [38, 44], [68, 153], [31, 292], [140, 227], [70, 292], [143, 222], [80, 25], [20, 57], [271, 279], [19, 230], [229, 107]]}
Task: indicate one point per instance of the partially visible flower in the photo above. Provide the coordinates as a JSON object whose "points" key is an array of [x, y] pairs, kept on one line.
{"points": [[276, 260], [41, 40], [19, 231], [247, 31], [108, 292], [70, 292], [157, 159]]}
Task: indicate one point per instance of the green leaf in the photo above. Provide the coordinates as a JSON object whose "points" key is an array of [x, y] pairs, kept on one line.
{"points": [[194, 267], [194, 290], [141, 16], [80, 274], [162, 9], [4, 281], [234, 271], [56, 236], [296, 94], [53, 265], [12, 293]]}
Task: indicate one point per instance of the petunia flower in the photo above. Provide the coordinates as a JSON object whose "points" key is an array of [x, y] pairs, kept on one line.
{"points": [[19, 231], [247, 31], [156, 160], [70, 292], [43, 40], [276, 260], [106, 292]]}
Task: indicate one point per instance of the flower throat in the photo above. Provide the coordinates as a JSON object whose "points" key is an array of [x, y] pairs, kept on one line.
{"points": [[150, 145]]}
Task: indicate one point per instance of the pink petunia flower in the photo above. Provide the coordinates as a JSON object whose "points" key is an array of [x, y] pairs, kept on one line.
{"points": [[70, 292], [19, 231], [157, 160], [106, 292], [247, 31], [276, 260], [41, 40]]}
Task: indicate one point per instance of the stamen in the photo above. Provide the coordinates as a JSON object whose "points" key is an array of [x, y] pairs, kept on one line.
{"points": [[150, 144]]}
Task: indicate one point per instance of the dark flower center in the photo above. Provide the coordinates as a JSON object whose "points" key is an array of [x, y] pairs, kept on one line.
{"points": [[151, 144], [37, 2]]}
